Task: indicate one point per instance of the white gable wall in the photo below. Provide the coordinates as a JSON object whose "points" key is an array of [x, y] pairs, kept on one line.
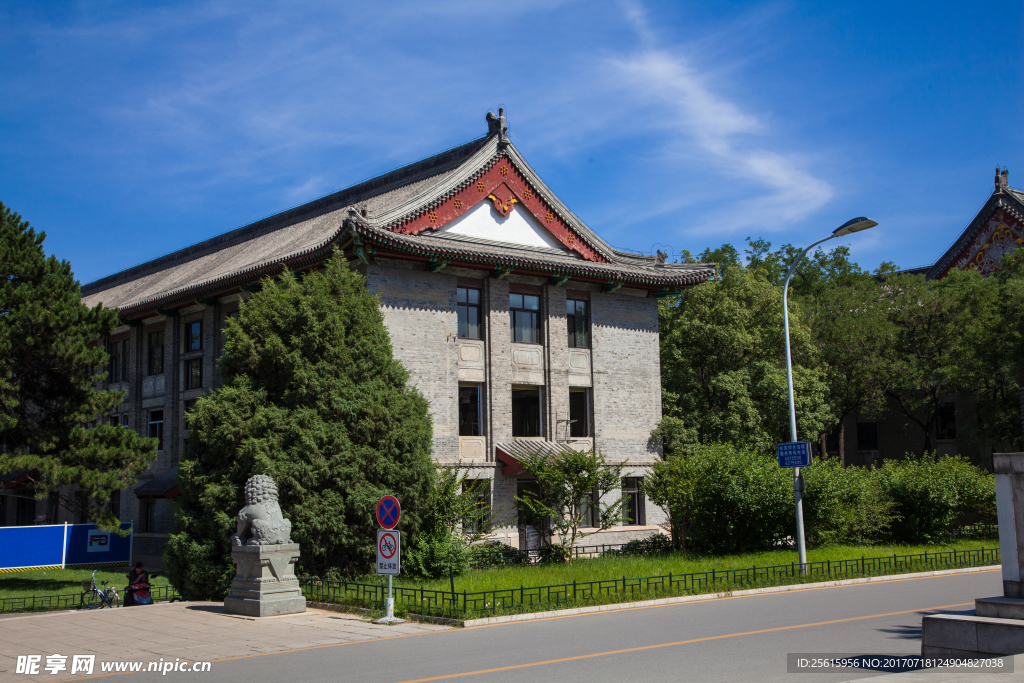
{"points": [[519, 227]]}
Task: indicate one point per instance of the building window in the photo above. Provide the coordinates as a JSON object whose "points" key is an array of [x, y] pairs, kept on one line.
{"points": [[156, 428], [147, 515], [945, 422], [25, 511], [576, 315], [155, 353], [468, 308], [118, 370], [82, 507], [193, 336], [633, 508], [526, 412], [194, 374], [579, 413], [469, 410], [525, 318], [867, 436], [592, 509]]}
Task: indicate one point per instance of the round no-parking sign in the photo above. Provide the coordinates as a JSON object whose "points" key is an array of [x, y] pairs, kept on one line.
{"points": [[388, 512]]}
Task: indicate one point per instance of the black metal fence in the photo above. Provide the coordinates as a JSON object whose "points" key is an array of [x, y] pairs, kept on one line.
{"points": [[531, 598], [40, 603]]}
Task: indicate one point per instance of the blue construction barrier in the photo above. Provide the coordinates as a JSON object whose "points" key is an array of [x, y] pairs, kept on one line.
{"points": [[60, 545]]}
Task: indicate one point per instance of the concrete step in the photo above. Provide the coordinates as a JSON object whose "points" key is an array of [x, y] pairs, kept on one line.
{"points": [[970, 635], [999, 607]]}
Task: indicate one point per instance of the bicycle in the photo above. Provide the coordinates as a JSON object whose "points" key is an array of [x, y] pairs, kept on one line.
{"points": [[93, 597]]}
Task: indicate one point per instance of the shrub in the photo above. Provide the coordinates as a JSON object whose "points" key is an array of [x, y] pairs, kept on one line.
{"points": [[844, 505], [724, 499], [929, 493], [655, 544], [503, 555]]}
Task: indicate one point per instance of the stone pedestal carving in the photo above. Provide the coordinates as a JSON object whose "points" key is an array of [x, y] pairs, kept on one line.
{"points": [[265, 583], [997, 625]]}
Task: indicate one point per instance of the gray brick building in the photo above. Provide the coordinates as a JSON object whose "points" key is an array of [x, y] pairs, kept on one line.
{"points": [[515, 320]]}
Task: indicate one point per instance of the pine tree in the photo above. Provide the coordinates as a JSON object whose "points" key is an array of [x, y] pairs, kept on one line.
{"points": [[49, 364], [312, 397]]}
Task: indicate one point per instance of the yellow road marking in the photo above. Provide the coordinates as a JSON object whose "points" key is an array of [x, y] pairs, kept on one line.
{"points": [[590, 614], [678, 642]]}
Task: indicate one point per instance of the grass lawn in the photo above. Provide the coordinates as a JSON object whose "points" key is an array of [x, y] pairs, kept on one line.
{"points": [[42, 582], [677, 563]]}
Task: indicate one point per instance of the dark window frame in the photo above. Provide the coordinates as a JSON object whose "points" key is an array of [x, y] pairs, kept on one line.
{"points": [[634, 509], [192, 336], [466, 309], [155, 353], [521, 427], [468, 395], [945, 422], [115, 369], [192, 374], [580, 426], [522, 312], [155, 428], [578, 323]]}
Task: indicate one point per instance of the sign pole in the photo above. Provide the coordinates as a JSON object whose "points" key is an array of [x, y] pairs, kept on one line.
{"points": [[64, 549], [389, 556]]}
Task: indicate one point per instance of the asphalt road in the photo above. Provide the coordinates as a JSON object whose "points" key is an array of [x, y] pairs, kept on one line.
{"points": [[730, 639]]}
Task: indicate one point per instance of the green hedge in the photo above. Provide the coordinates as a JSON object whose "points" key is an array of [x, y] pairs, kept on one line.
{"points": [[725, 499]]}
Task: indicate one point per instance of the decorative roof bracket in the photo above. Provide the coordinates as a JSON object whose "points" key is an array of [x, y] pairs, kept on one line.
{"points": [[438, 263], [560, 279], [252, 287], [167, 312], [501, 271], [362, 250], [665, 293], [206, 300], [612, 286]]}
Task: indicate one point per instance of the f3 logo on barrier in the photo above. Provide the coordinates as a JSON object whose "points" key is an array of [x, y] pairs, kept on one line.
{"points": [[99, 542]]}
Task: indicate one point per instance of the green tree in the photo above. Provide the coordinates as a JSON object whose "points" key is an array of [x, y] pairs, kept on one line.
{"points": [[457, 517], [941, 330], [564, 495], [49, 365], [312, 397], [723, 363]]}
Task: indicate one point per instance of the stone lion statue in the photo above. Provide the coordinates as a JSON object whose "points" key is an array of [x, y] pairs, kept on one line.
{"points": [[260, 522]]}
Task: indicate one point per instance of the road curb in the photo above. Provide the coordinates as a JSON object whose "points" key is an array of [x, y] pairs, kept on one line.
{"points": [[487, 621]]}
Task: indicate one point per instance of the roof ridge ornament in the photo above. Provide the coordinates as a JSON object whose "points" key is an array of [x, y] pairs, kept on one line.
{"points": [[496, 125], [1002, 180]]}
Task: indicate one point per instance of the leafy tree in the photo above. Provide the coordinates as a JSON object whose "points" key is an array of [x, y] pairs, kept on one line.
{"points": [[940, 332], [852, 332], [48, 371], [723, 363], [455, 520], [312, 397], [564, 495], [844, 504]]}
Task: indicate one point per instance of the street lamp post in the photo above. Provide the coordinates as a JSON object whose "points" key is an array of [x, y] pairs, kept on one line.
{"points": [[847, 228]]}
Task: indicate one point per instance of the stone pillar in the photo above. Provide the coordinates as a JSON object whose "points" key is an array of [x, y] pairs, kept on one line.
{"points": [[1009, 469], [265, 583]]}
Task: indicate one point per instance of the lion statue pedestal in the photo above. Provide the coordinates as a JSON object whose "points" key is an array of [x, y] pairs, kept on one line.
{"points": [[264, 583]]}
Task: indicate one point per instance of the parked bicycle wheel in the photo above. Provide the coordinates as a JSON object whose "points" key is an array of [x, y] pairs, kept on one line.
{"points": [[91, 600], [112, 599]]}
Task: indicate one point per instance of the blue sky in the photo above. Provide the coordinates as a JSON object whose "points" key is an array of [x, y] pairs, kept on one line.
{"points": [[129, 130]]}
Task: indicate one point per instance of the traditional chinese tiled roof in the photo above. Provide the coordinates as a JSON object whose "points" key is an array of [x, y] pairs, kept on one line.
{"points": [[996, 229], [398, 212]]}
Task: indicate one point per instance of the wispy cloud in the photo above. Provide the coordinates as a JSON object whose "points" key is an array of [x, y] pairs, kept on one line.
{"points": [[681, 100]]}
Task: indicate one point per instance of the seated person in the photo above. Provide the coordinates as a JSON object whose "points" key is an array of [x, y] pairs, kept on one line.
{"points": [[137, 592]]}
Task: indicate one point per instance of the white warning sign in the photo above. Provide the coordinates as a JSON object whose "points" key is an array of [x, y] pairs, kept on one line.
{"points": [[389, 555]]}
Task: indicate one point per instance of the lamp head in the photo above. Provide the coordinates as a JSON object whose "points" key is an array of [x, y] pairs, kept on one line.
{"points": [[854, 225]]}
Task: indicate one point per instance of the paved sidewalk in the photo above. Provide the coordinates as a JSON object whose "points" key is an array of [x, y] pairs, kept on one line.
{"points": [[191, 631]]}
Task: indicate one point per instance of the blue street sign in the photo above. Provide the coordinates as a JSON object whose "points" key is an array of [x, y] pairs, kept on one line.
{"points": [[794, 454]]}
